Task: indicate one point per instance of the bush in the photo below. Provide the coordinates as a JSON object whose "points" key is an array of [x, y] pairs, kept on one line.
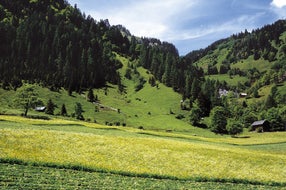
{"points": [[180, 116], [117, 123], [37, 117], [234, 127], [140, 85]]}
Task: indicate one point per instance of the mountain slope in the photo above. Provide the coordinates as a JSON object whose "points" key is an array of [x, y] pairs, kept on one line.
{"points": [[53, 44]]}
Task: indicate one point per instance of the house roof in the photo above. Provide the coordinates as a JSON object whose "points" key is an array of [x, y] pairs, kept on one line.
{"points": [[40, 108], [261, 122]]}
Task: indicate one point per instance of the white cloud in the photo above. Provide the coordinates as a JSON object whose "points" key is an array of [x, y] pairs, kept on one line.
{"points": [[279, 8], [222, 30], [278, 3], [185, 21], [147, 18]]}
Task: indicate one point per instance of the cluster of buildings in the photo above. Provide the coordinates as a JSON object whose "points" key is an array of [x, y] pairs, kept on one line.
{"points": [[224, 92]]}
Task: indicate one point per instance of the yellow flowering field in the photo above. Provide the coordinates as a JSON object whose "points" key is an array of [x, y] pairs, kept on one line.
{"points": [[142, 155], [255, 138], [245, 139], [53, 121]]}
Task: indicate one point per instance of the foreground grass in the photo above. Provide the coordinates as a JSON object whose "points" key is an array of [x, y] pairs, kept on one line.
{"points": [[31, 177], [141, 156], [177, 158]]}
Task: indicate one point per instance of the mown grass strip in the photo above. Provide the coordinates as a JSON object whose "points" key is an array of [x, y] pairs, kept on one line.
{"points": [[144, 175], [13, 176]]}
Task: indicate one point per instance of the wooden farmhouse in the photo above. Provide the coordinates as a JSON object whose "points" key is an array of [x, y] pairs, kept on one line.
{"points": [[260, 126]]}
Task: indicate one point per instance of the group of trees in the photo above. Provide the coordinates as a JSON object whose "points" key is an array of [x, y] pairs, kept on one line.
{"points": [[27, 97], [224, 123]]}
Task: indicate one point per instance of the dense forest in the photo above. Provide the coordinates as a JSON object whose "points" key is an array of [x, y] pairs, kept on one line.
{"points": [[54, 44]]}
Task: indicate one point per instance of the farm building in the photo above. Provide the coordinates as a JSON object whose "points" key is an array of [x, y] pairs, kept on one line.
{"points": [[242, 94], [260, 126], [222, 92], [40, 108]]}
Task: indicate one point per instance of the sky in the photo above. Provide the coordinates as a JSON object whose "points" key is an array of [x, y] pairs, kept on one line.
{"points": [[188, 24]]}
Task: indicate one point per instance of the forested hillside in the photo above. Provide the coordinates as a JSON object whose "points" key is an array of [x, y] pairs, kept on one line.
{"points": [[52, 43], [250, 65], [56, 45]]}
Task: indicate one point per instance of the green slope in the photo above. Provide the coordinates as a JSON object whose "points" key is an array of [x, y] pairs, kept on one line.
{"points": [[153, 108]]}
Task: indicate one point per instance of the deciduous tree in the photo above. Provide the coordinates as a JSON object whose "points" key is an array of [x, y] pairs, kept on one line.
{"points": [[27, 98], [218, 120]]}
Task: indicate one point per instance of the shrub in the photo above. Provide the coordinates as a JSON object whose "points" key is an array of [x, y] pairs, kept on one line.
{"points": [[180, 116], [234, 127], [37, 117]]}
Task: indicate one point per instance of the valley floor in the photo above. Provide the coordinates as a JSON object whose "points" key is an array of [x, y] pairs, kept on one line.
{"points": [[58, 153]]}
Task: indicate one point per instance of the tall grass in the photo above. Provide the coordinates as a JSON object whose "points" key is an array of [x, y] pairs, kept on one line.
{"points": [[143, 156]]}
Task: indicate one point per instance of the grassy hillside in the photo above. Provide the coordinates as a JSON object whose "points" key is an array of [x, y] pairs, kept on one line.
{"points": [[153, 108], [233, 80], [127, 151]]}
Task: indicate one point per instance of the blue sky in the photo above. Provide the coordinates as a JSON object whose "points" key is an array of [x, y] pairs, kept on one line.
{"points": [[188, 24]]}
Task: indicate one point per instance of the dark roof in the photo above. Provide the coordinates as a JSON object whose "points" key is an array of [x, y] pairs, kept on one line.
{"points": [[256, 123]]}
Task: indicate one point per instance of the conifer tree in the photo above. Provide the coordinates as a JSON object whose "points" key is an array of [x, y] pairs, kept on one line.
{"points": [[78, 111], [50, 108], [64, 110], [90, 95]]}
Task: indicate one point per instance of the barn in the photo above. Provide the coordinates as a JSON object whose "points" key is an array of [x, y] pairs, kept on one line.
{"points": [[260, 126]]}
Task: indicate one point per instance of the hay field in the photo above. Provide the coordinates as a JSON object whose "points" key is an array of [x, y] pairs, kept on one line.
{"points": [[135, 154]]}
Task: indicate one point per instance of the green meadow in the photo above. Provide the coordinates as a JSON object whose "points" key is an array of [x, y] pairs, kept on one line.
{"points": [[136, 158]]}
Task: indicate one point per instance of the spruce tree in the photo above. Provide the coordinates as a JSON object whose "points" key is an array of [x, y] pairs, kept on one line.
{"points": [[50, 108], [64, 110], [90, 95], [78, 111]]}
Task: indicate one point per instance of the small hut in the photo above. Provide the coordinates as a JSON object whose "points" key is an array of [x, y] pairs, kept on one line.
{"points": [[260, 126], [40, 108]]}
